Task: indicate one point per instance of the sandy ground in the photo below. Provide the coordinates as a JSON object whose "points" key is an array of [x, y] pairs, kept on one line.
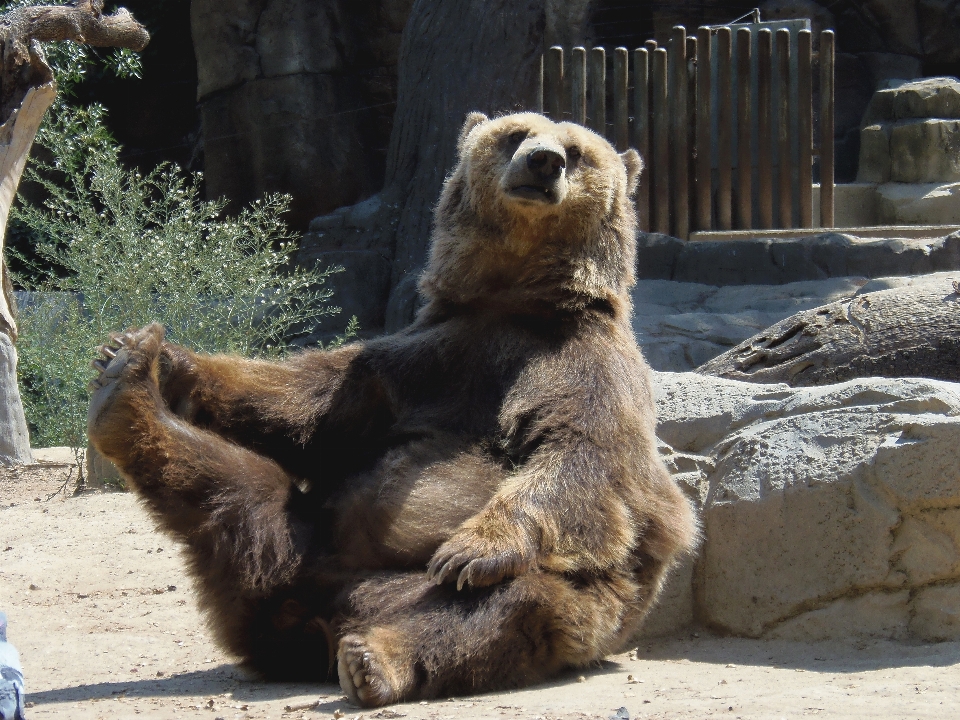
{"points": [[103, 614]]}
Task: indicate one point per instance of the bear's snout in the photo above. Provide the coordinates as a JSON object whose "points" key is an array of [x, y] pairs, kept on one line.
{"points": [[545, 162], [536, 173]]}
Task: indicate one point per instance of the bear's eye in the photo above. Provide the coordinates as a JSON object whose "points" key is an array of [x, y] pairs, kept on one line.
{"points": [[573, 153], [518, 137]]}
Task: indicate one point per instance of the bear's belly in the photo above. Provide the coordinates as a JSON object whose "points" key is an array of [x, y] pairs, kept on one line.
{"points": [[397, 514]]}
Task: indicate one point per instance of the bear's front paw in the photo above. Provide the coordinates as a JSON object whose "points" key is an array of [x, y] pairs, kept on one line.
{"points": [[480, 561]]}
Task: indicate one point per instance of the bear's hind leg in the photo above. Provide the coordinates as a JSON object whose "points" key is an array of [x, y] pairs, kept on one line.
{"points": [[409, 638], [237, 512]]}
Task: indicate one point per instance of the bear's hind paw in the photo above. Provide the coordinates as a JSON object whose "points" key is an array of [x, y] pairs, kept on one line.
{"points": [[363, 677], [124, 362]]}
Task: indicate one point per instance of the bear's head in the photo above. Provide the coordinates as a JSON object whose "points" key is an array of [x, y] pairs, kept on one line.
{"points": [[535, 215]]}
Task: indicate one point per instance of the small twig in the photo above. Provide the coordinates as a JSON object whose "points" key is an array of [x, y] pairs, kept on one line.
{"points": [[62, 488], [302, 706], [80, 455]]}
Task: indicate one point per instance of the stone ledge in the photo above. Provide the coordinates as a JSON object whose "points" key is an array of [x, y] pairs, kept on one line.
{"points": [[780, 260]]}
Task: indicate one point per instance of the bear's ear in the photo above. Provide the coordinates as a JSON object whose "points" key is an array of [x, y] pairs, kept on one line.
{"points": [[473, 119], [634, 165]]}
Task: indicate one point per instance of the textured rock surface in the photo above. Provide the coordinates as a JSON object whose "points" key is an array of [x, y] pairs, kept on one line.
{"points": [[778, 261], [933, 97], [919, 204], [911, 133], [908, 330], [297, 97], [827, 512], [680, 326], [875, 161], [349, 238], [925, 151]]}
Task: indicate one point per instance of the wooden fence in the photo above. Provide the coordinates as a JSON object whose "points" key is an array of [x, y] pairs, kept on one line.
{"points": [[712, 163]]}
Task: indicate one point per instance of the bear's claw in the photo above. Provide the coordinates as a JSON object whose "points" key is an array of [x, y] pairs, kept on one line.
{"points": [[476, 563], [109, 367]]}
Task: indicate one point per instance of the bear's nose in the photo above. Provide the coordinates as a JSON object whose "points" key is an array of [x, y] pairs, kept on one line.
{"points": [[545, 162]]}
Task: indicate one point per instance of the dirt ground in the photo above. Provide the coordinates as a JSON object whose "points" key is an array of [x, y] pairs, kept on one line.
{"points": [[103, 614]]}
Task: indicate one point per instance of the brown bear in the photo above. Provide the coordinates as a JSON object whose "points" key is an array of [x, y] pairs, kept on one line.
{"points": [[476, 502]]}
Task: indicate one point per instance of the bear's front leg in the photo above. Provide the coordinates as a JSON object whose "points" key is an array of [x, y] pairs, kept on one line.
{"points": [[488, 548]]}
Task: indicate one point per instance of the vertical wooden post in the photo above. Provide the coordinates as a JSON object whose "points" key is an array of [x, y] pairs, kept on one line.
{"points": [[805, 125], [765, 139], [704, 147], [553, 83], [827, 59], [641, 132], [621, 114], [578, 85], [744, 158], [691, 70], [598, 91], [725, 129], [540, 88], [661, 149], [785, 183], [680, 186]]}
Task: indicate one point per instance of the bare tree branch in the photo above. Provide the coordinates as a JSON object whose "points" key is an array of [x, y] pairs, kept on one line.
{"points": [[23, 29]]}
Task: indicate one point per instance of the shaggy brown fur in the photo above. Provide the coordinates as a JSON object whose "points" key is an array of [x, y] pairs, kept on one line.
{"points": [[473, 503]]}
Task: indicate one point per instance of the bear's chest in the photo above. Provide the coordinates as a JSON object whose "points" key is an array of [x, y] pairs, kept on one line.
{"points": [[445, 450], [455, 378]]}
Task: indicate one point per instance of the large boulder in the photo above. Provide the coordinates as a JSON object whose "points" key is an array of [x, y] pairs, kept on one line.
{"points": [[925, 151], [911, 133], [921, 203], [933, 97], [827, 512]]}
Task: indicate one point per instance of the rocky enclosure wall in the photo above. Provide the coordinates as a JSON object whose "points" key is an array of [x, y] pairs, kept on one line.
{"points": [[297, 96]]}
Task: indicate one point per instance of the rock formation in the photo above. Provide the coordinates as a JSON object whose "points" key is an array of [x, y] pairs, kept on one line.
{"points": [[828, 512], [297, 97], [910, 147]]}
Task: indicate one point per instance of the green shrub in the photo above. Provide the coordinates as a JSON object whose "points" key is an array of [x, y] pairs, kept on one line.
{"points": [[117, 249], [111, 248]]}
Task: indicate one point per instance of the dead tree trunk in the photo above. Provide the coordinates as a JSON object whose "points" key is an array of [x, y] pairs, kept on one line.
{"points": [[26, 91], [456, 56], [911, 331]]}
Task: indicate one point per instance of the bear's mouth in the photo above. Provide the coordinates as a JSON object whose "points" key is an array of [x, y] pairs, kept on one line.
{"points": [[536, 193]]}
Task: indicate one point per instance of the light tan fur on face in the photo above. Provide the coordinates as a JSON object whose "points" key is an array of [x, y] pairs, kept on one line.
{"points": [[571, 251]]}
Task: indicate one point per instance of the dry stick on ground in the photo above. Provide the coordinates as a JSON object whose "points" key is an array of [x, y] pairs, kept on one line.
{"points": [[911, 331], [26, 91]]}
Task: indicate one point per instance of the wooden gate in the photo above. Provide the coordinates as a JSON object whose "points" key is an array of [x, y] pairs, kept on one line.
{"points": [[724, 122]]}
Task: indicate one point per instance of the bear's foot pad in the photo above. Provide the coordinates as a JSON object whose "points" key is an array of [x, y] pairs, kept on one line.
{"points": [[110, 367], [363, 676]]}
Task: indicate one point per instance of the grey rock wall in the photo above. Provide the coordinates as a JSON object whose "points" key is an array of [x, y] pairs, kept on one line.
{"points": [[779, 261], [297, 97]]}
